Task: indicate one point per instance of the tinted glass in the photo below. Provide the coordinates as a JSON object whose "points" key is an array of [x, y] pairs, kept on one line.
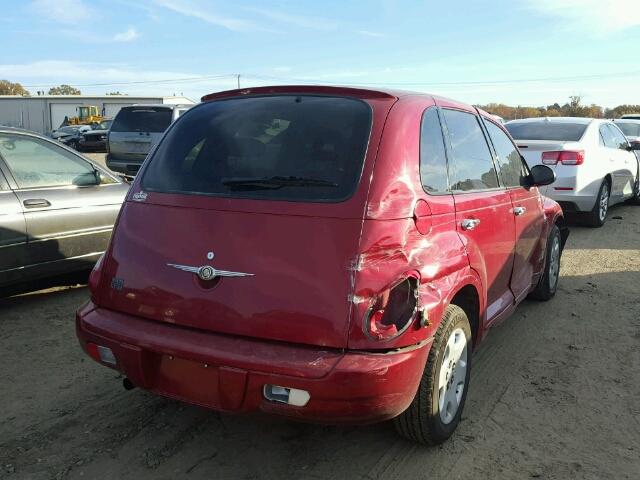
{"points": [[471, 166], [433, 159], [619, 138], [281, 147], [142, 119], [509, 161], [543, 130], [630, 129], [37, 163]]}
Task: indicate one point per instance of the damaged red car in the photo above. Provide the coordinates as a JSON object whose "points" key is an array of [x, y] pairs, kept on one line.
{"points": [[327, 254]]}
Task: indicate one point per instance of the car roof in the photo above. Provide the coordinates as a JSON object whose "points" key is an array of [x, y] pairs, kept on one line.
{"points": [[626, 120], [580, 120]]}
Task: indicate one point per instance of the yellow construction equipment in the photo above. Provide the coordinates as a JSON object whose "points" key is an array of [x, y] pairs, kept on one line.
{"points": [[86, 116]]}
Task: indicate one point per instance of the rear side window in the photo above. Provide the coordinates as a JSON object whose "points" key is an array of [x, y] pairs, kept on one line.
{"points": [[280, 147], [619, 139], [544, 130], [142, 119], [509, 161], [612, 137], [433, 159], [471, 166]]}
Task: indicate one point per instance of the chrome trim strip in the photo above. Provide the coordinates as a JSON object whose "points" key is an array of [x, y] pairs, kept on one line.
{"points": [[216, 273], [53, 261]]}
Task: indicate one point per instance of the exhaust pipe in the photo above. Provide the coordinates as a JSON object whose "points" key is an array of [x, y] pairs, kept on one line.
{"points": [[128, 384]]}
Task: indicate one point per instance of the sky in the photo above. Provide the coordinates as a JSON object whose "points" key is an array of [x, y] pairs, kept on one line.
{"points": [[519, 52]]}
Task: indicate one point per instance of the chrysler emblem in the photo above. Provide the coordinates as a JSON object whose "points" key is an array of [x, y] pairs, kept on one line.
{"points": [[207, 272]]}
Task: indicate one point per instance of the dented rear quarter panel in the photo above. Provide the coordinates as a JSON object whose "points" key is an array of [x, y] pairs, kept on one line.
{"points": [[391, 246]]}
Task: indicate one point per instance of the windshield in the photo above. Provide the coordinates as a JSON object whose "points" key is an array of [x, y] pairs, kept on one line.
{"points": [[630, 129], [104, 125], [142, 119], [545, 130], [285, 147]]}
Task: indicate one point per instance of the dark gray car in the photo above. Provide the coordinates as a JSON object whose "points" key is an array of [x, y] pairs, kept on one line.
{"points": [[57, 209], [134, 131]]}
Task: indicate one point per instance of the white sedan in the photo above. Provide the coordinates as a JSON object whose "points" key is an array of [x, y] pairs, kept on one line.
{"points": [[595, 165]]}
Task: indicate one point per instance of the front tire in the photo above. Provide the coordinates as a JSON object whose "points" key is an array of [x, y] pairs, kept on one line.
{"points": [[435, 411], [598, 215], [548, 284]]}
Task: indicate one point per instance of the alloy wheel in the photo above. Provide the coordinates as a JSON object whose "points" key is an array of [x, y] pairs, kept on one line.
{"points": [[604, 202], [453, 375]]}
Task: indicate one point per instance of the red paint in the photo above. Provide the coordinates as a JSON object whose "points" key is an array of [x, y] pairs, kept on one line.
{"points": [[300, 321]]}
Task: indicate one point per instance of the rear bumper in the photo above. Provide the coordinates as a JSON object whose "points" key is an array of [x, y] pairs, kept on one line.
{"points": [[572, 202], [128, 167], [228, 373]]}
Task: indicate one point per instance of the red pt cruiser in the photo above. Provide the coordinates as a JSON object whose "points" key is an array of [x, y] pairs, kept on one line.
{"points": [[327, 254]]}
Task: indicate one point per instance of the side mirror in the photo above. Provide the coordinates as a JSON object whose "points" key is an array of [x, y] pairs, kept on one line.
{"points": [[541, 175], [633, 146]]}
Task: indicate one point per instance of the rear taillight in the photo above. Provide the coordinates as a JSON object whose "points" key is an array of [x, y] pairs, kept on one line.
{"points": [[392, 311], [565, 157]]}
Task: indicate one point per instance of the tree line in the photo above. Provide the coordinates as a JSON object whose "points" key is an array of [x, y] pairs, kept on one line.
{"points": [[11, 88], [573, 108]]}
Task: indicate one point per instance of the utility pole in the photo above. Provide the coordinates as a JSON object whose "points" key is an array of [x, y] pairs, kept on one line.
{"points": [[238, 80]]}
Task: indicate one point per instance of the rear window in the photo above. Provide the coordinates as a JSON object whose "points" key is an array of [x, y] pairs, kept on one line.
{"points": [[562, 132], [281, 147], [630, 129], [142, 119]]}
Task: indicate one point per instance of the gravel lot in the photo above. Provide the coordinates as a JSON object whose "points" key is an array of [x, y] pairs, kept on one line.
{"points": [[554, 394]]}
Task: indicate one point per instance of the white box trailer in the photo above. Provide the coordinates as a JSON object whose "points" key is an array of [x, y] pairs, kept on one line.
{"points": [[45, 113]]}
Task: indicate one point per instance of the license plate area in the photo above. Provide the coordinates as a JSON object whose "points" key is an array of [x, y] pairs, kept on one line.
{"points": [[193, 381], [138, 147], [217, 387]]}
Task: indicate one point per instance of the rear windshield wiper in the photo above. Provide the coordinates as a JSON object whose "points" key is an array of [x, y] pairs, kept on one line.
{"points": [[276, 182]]}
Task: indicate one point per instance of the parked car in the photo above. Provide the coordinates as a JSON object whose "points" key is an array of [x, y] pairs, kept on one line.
{"points": [[57, 209], [70, 135], [323, 253], [135, 130], [631, 116], [592, 159], [630, 128], [95, 140]]}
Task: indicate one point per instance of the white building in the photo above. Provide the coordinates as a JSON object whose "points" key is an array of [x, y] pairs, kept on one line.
{"points": [[45, 113]]}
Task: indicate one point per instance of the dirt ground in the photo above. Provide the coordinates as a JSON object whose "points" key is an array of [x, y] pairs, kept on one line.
{"points": [[554, 394]]}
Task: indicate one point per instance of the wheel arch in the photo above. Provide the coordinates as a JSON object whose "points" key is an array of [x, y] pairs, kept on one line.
{"points": [[468, 299]]}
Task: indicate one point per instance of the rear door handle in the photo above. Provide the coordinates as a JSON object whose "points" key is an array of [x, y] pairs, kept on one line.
{"points": [[36, 203], [470, 223], [517, 211]]}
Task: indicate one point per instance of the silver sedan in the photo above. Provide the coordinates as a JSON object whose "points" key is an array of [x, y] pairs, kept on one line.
{"points": [[57, 208]]}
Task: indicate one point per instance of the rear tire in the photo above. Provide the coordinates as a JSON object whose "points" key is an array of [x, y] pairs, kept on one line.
{"points": [[636, 192], [73, 144], [435, 411], [548, 284], [598, 215]]}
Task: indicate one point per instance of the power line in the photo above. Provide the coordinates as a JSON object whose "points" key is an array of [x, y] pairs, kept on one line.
{"points": [[142, 82], [469, 83], [236, 76]]}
